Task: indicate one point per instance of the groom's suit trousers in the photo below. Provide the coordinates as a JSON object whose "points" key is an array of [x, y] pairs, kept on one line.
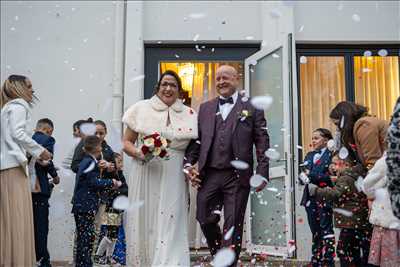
{"points": [[222, 189]]}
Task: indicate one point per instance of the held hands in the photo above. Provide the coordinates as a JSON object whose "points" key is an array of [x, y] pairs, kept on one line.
{"points": [[45, 155], [192, 175], [139, 154], [116, 184], [261, 186], [303, 178]]}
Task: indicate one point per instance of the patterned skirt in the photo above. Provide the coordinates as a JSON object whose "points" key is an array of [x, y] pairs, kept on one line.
{"points": [[385, 247]]}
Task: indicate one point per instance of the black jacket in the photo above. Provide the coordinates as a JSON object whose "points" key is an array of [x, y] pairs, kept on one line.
{"points": [[87, 185]]}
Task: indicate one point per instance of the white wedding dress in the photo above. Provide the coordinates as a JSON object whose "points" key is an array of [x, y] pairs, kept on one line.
{"points": [[157, 231]]}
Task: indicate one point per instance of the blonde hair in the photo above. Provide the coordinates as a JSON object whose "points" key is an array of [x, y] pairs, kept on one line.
{"points": [[15, 87]]}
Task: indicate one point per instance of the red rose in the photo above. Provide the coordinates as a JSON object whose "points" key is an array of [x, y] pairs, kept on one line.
{"points": [[145, 149], [157, 143], [163, 153], [322, 184], [318, 162]]}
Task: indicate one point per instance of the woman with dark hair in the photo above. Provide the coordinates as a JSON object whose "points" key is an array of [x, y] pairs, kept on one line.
{"points": [[17, 247], [157, 233], [362, 135]]}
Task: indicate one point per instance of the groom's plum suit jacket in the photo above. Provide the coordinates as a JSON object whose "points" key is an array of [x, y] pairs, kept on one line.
{"points": [[248, 131]]}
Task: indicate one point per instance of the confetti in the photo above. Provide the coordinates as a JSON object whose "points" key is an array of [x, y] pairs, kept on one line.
{"points": [[272, 154], [275, 14], [341, 125], [256, 180], [121, 203], [366, 70], [240, 165], [253, 62], [229, 233], [356, 17], [328, 236], [137, 78], [344, 212], [90, 167], [196, 37], [331, 145], [197, 15], [367, 53], [224, 257], [301, 28], [88, 128], [303, 60], [383, 52], [262, 102], [343, 153], [272, 189]]}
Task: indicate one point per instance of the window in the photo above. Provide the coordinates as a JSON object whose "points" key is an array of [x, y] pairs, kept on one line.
{"points": [[327, 75]]}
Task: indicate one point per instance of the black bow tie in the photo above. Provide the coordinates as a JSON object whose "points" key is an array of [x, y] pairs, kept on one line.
{"points": [[224, 101]]}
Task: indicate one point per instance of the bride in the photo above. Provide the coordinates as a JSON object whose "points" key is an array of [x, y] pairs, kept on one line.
{"points": [[157, 232]]}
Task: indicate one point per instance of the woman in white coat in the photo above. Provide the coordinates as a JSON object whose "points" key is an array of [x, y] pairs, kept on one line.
{"points": [[17, 246], [385, 241]]}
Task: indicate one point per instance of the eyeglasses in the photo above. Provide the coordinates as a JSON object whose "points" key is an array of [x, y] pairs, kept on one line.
{"points": [[166, 84]]}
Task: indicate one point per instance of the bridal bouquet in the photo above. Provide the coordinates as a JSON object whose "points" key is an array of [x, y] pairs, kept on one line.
{"points": [[154, 145]]}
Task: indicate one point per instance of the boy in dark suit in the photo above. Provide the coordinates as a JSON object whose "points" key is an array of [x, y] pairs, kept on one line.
{"points": [[85, 200], [41, 190]]}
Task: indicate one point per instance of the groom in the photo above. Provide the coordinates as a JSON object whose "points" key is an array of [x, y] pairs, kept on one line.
{"points": [[229, 126]]}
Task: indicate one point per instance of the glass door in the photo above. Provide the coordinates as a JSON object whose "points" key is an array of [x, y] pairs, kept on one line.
{"points": [[269, 223]]}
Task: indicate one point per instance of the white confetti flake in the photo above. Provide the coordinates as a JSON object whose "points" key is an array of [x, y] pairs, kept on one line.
{"points": [[275, 55], [212, 50], [88, 128], [217, 212], [262, 102], [256, 180], [137, 78], [367, 53], [203, 240], [301, 28], [356, 18], [12, 29], [299, 147], [245, 99], [343, 153], [344, 212], [341, 125], [197, 15], [383, 52], [272, 154], [121, 203], [331, 145], [229, 233], [185, 171], [274, 13], [308, 203], [90, 167], [328, 236], [196, 37], [223, 258], [176, 55], [303, 60], [272, 189], [73, 68], [366, 70], [249, 38], [253, 62], [240, 165]]}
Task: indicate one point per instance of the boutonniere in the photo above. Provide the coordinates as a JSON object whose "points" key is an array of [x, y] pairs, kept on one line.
{"points": [[244, 114]]}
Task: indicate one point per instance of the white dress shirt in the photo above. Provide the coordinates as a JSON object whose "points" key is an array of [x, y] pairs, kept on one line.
{"points": [[225, 109]]}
